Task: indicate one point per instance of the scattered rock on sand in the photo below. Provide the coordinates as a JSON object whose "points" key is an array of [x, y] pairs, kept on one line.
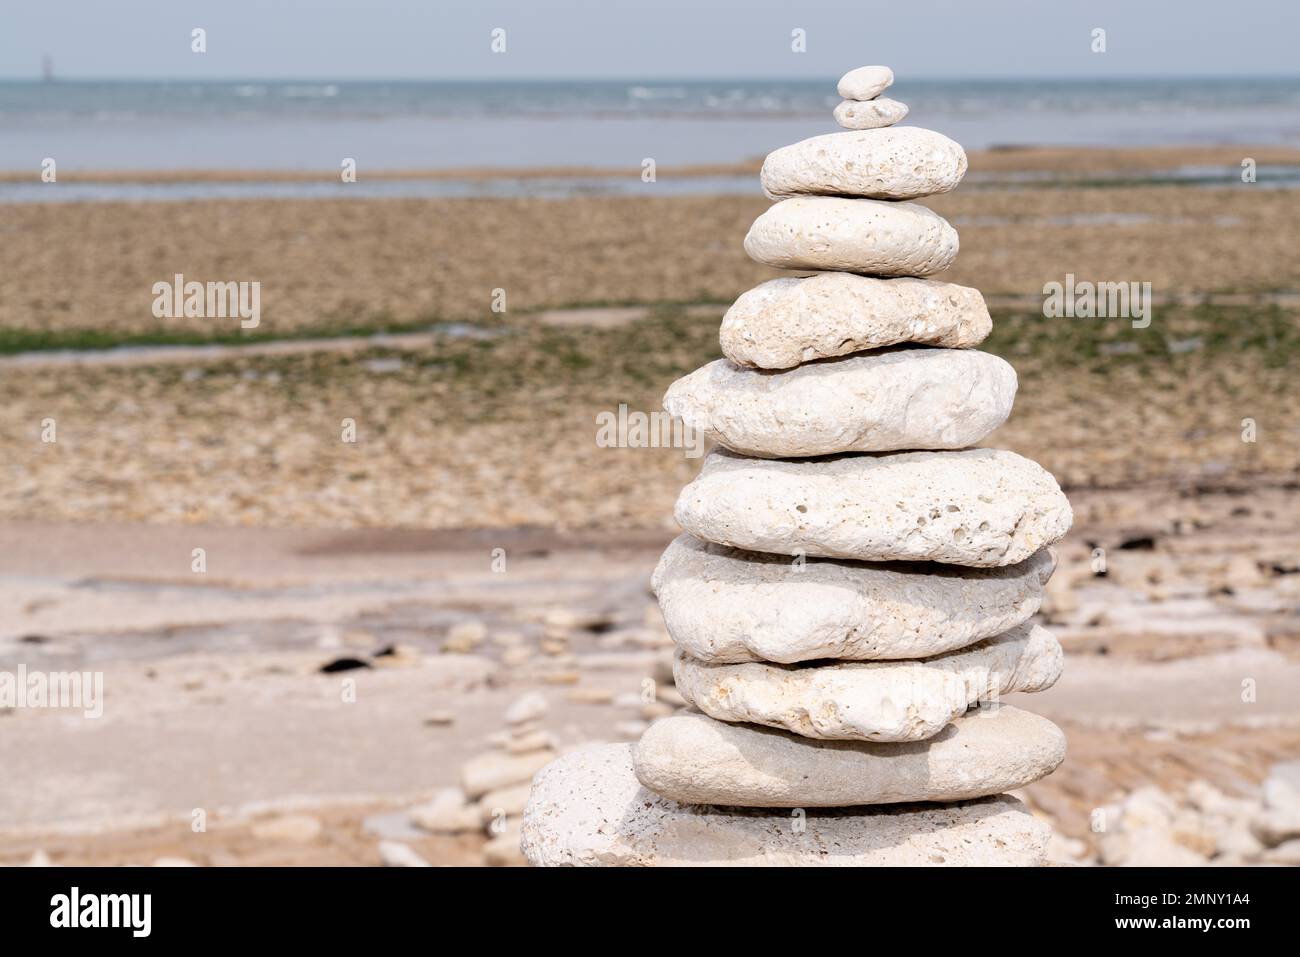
{"points": [[507, 802], [590, 695], [448, 812], [529, 707], [503, 850], [496, 769], [464, 636], [395, 854]]}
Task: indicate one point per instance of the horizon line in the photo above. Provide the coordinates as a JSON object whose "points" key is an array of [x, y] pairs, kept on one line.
{"points": [[737, 78]]}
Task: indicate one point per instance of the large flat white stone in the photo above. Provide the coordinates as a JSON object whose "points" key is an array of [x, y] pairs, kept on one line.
{"points": [[872, 700], [900, 398], [979, 507], [902, 162], [870, 236], [588, 809], [783, 322], [693, 759], [727, 605]]}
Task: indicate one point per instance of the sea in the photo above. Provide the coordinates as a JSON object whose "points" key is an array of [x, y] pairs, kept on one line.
{"points": [[313, 126]]}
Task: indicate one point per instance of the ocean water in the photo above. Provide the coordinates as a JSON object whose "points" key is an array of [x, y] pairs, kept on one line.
{"points": [[264, 125]]}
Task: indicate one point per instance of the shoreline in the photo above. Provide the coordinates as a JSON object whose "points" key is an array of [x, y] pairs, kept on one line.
{"points": [[1001, 159]]}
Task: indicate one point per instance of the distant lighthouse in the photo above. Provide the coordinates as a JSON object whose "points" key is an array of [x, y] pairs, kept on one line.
{"points": [[47, 68]]}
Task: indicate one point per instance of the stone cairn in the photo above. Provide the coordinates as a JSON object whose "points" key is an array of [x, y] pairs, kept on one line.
{"points": [[855, 586]]}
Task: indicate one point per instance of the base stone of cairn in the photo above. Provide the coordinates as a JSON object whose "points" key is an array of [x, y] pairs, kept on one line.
{"points": [[589, 809], [856, 586]]}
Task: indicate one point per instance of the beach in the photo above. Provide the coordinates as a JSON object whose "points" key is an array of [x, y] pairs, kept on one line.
{"points": [[422, 390]]}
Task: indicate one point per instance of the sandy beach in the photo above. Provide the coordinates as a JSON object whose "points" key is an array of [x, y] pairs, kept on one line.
{"points": [[475, 430]]}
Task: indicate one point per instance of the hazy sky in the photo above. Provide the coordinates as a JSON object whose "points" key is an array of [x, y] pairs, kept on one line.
{"points": [[645, 38]]}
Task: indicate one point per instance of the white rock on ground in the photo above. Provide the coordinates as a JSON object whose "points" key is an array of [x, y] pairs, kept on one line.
{"points": [[294, 828], [588, 809], [727, 605], [507, 802], [865, 83], [1279, 820], [503, 850], [904, 162], [870, 236], [870, 114], [447, 812], [900, 398], [497, 769], [783, 322], [532, 706], [397, 854], [693, 759], [980, 507], [876, 700]]}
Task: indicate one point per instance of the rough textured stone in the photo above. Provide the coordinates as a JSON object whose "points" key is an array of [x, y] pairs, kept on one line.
{"points": [[725, 605], [870, 114], [979, 507], [784, 322], [905, 162], [869, 236], [588, 809], [900, 398], [865, 83], [693, 759], [876, 700]]}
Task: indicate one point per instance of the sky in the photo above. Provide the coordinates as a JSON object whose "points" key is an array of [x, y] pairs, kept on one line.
{"points": [[556, 39]]}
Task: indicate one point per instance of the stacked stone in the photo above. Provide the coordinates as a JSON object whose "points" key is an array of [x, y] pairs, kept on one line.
{"points": [[856, 586]]}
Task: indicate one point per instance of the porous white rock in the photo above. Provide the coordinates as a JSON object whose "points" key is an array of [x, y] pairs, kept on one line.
{"points": [[693, 759], [900, 398], [865, 83], [980, 507], [870, 114], [726, 605], [870, 236], [904, 162], [872, 700], [588, 809], [783, 322]]}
